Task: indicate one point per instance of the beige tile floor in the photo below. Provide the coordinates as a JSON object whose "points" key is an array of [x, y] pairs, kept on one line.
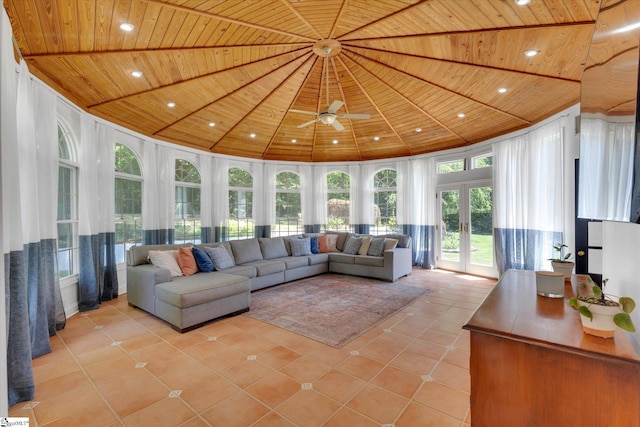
{"points": [[121, 366]]}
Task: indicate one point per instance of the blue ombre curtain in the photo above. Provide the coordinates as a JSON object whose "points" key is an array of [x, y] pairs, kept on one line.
{"points": [[416, 191], [528, 200], [98, 278], [30, 287]]}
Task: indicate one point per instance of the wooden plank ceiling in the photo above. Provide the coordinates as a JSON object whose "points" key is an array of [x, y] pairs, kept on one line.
{"points": [[243, 65]]}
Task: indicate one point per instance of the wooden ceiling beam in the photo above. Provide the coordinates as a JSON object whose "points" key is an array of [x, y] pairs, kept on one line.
{"points": [[343, 97]]}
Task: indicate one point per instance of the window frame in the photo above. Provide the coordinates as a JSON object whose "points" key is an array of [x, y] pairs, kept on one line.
{"points": [[73, 221], [137, 222], [297, 228], [332, 221], [195, 238], [249, 225], [385, 228]]}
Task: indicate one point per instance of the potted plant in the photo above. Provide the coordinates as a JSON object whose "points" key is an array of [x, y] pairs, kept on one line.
{"points": [[561, 262], [601, 313]]}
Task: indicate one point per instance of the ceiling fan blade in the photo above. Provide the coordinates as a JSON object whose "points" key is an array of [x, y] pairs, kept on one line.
{"points": [[308, 123], [303, 112], [354, 116], [335, 106], [336, 124]]}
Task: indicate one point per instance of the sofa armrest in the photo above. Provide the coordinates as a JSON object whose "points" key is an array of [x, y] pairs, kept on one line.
{"points": [[397, 263], [141, 284]]}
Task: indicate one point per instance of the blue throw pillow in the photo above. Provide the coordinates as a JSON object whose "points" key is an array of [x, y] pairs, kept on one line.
{"points": [[203, 260], [314, 245]]}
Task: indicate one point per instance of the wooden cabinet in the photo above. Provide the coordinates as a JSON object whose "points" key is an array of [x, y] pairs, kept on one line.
{"points": [[532, 365]]}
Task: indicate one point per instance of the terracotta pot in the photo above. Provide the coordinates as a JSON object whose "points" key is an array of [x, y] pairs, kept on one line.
{"points": [[566, 268], [602, 324]]}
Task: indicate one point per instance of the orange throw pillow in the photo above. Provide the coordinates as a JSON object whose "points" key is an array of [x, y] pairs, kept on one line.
{"points": [[187, 261], [323, 243]]}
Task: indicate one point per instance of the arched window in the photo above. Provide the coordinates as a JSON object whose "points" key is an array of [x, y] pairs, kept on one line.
{"points": [[67, 206], [338, 184], [385, 202], [187, 207], [240, 222], [128, 200], [288, 205]]}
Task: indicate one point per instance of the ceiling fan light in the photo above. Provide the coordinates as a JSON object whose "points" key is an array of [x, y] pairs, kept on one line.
{"points": [[522, 2], [328, 119]]}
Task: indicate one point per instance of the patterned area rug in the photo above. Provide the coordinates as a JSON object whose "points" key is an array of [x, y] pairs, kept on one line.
{"points": [[333, 309]]}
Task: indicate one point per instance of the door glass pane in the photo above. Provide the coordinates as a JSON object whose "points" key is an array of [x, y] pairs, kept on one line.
{"points": [[481, 203], [450, 243]]}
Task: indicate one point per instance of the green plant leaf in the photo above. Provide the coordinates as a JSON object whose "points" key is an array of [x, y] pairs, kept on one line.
{"points": [[597, 292], [623, 320], [573, 302], [628, 304], [584, 310]]}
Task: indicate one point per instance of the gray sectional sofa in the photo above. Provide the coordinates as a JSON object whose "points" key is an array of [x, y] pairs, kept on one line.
{"points": [[188, 301]]}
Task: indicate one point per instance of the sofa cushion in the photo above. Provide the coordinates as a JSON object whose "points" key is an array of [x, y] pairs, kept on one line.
{"points": [[404, 240], [342, 258], [321, 258], [248, 271], [300, 247], [245, 251], [341, 238], [292, 263], [314, 245], [376, 247], [272, 247], [364, 246], [220, 257], [201, 288], [267, 267], [167, 260], [373, 261], [352, 245], [202, 259], [332, 239], [187, 261]]}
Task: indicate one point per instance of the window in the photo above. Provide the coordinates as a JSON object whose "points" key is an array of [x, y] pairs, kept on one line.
{"points": [[482, 161], [338, 184], [187, 208], [450, 167], [385, 202], [128, 200], [67, 207], [240, 223], [288, 205]]}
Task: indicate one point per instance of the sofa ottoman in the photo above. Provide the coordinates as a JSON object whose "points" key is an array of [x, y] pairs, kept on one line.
{"points": [[188, 302]]}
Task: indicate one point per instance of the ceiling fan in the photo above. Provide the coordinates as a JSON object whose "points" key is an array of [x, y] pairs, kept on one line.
{"points": [[329, 115]]}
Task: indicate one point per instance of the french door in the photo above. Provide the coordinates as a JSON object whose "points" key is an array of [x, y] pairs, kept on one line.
{"points": [[465, 230]]}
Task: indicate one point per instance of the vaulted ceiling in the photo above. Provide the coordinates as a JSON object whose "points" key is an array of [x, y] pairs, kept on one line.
{"points": [[428, 73]]}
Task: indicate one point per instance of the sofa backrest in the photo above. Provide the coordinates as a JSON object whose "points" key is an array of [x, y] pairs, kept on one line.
{"points": [[137, 255], [404, 240]]}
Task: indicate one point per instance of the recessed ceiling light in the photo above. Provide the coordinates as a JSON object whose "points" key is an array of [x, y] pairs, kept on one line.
{"points": [[125, 26], [531, 52], [252, 135], [335, 141], [212, 124], [418, 129], [136, 73], [461, 115], [502, 89], [376, 138], [522, 2], [171, 104], [294, 140]]}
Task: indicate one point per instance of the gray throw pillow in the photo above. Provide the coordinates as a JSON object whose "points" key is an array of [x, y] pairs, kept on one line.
{"points": [[376, 247], [220, 257], [352, 245], [300, 247]]}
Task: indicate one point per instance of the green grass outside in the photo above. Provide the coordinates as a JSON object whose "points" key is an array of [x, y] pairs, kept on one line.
{"points": [[482, 253]]}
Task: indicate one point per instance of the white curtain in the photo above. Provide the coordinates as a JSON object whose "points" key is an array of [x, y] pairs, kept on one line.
{"points": [[606, 169], [29, 153], [220, 191], [158, 194], [206, 198], [528, 198], [319, 196]]}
